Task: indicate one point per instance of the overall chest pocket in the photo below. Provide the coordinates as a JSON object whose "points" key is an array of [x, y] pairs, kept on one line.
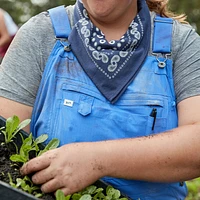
{"points": [[83, 106], [148, 112]]}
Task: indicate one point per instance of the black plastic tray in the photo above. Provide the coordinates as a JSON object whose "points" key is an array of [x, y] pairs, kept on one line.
{"points": [[9, 193], [6, 191]]}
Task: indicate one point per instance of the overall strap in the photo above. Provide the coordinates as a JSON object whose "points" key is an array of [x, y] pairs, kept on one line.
{"points": [[60, 21], [162, 39]]}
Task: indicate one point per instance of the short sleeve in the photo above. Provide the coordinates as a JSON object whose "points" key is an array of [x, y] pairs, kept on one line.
{"points": [[23, 65], [186, 56]]}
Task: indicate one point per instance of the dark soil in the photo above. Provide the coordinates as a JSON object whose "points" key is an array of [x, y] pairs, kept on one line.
{"points": [[7, 166]]}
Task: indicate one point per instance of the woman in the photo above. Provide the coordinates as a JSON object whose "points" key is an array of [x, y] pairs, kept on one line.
{"points": [[117, 74], [8, 29]]}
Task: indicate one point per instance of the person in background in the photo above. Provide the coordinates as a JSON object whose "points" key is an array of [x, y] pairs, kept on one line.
{"points": [[118, 83], [8, 29]]}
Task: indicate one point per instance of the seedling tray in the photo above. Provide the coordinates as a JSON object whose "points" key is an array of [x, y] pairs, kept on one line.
{"points": [[7, 192]]}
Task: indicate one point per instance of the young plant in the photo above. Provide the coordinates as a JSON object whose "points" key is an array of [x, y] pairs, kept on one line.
{"points": [[26, 185], [54, 143], [29, 144], [13, 126], [60, 195], [28, 147], [92, 193]]}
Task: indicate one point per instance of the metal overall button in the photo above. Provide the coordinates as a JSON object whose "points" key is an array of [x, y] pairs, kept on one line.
{"points": [[161, 64], [65, 44], [67, 48]]}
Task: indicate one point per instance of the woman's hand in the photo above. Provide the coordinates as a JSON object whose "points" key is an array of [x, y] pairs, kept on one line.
{"points": [[70, 168]]}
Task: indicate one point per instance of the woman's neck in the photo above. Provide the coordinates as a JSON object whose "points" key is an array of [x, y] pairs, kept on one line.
{"points": [[115, 29]]}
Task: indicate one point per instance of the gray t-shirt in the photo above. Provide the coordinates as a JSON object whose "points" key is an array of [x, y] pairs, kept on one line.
{"points": [[24, 63]]}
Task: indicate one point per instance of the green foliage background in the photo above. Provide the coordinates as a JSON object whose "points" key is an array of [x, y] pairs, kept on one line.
{"points": [[193, 189], [22, 10]]}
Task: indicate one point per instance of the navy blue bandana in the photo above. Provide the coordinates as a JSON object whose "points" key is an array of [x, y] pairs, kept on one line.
{"points": [[111, 65]]}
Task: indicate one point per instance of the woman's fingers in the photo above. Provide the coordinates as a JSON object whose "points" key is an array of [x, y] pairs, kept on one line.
{"points": [[62, 184], [43, 176], [51, 186], [68, 168], [38, 163]]}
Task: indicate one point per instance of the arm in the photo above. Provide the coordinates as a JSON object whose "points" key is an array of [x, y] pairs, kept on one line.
{"points": [[19, 84], [9, 108], [15, 95], [172, 156], [4, 35]]}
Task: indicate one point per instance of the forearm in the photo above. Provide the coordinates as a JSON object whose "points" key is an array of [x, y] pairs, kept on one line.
{"points": [[163, 158], [5, 39], [172, 156], [8, 108]]}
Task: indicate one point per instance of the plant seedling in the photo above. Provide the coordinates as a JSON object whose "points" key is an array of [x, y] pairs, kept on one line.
{"points": [[26, 185], [27, 145], [13, 126], [92, 193]]}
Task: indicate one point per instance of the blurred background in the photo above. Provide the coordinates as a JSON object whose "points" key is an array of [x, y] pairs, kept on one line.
{"points": [[22, 10]]}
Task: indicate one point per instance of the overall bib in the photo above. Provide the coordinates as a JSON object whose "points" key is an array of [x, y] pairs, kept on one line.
{"points": [[70, 107]]}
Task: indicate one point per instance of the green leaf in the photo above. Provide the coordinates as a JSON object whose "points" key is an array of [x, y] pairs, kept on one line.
{"points": [[24, 150], [54, 143], [11, 125], [20, 182], [35, 188], [112, 193], [99, 190], [27, 188], [18, 158], [68, 197], [99, 195], [60, 195], [36, 148], [26, 178], [22, 125], [41, 139], [22, 137], [76, 196], [11, 181], [28, 140], [116, 194], [38, 195], [86, 197], [26, 146], [91, 189]]}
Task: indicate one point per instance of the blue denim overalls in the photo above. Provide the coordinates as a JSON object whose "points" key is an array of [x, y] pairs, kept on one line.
{"points": [[69, 106]]}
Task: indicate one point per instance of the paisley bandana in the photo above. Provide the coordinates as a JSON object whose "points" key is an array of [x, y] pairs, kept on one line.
{"points": [[111, 65]]}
